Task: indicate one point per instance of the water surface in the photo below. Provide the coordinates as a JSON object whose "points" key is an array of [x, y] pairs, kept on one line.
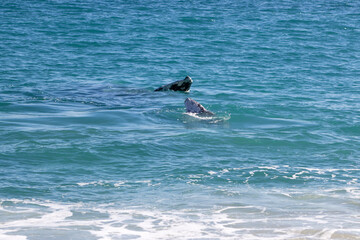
{"points": [[89, 151]]}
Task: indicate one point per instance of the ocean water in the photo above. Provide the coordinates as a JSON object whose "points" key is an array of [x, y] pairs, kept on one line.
{"points": [[89, 151]]}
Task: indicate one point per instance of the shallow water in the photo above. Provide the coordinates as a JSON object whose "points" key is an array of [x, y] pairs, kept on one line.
{"points": [[89, 151]]}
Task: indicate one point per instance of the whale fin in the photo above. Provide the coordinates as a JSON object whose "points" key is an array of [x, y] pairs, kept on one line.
{"points": [[193, 106], [181, 85]]}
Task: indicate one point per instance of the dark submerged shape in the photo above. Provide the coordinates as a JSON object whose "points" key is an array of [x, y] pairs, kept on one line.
{"points": [[181, 85]]}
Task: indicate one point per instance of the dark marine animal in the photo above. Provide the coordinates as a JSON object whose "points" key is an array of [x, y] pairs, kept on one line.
{"points": [[193, 106], [181, 85]]}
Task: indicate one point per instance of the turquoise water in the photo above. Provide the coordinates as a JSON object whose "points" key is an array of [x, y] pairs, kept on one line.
{"points": [[89, 151]]}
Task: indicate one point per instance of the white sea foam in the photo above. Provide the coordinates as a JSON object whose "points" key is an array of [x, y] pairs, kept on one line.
{"points": [[235, 221], [283, 214], [209, 119], [296, 175], [112, 183], [4, 236]]}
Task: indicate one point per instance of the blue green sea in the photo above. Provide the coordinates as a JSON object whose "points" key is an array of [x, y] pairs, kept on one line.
{"points": [[89, 151]]}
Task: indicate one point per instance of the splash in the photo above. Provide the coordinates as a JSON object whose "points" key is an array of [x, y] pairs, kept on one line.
{"points": [[195, 117]]}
